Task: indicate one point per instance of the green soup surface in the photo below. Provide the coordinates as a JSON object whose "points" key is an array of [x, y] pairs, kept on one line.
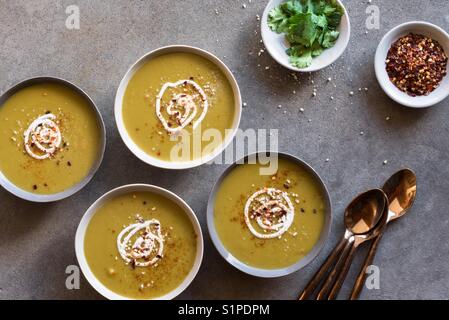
{"points": [[145, 127], [126, 278], [79, 148], [305, 195]]}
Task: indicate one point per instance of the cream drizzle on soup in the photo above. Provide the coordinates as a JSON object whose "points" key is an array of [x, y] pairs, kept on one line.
{"points": [[272, 211], [148, 246], [183, 107], [43, 137]]}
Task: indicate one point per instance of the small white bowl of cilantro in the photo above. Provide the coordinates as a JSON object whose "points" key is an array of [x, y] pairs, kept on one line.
{"points": [[305, 35]]}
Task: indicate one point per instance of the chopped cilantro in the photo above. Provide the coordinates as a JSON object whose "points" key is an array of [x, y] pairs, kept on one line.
{"points": [[309, 26]]}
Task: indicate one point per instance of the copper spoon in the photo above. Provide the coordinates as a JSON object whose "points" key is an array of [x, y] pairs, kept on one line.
{"points": [[362, 215], [376, 205], [345, 262], [401, 193]]}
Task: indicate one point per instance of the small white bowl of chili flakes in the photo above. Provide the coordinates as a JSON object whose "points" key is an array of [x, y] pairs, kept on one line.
{"points": [[411, 64]]}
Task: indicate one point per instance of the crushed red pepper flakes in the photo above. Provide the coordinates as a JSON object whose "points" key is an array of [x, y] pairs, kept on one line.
{"points": [[416, 64]]}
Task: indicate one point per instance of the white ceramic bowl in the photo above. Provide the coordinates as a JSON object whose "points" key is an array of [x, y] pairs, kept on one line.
{"points": [[142, 155], [269, 273], [82, 227], [390, 89], [276, 44], [26, 195]]}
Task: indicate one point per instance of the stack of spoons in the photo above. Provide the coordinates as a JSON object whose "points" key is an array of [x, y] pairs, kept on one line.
{"points": [[365, 219]]}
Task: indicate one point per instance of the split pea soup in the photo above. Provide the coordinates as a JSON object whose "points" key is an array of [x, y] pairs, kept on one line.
{"points": [[270, 221], [140, 245], [172, 100], [50, 138]]}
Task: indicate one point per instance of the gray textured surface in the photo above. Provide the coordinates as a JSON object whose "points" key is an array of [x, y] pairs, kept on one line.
{"points": [[36, 241]]}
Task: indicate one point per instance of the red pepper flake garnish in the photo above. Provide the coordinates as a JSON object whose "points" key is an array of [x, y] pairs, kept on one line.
{"points": [[416, 64]]}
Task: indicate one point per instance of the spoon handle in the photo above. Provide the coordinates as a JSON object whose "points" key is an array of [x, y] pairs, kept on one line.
{"points": [[343, 273], [323, 293], [319, 275], [360, 282]]}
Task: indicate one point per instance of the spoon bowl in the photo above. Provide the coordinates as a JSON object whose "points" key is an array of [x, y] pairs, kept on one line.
{"points": [[401, 192], [365, 211]]}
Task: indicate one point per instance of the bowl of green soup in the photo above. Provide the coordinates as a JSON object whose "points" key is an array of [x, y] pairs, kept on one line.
{"points": [[178, 107], [139, 242], [52, 138], [269, 223]]}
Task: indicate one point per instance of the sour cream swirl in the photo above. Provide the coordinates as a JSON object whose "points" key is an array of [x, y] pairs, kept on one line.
{"points": [[186, 103], [147, 249], [271, 211], [43, 137]]}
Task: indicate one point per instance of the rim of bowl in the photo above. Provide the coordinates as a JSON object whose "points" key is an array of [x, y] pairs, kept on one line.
{"points": [[311, 68], [29, 196], [118, 107], [90, 212], [379, 64], [269, 273]]}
